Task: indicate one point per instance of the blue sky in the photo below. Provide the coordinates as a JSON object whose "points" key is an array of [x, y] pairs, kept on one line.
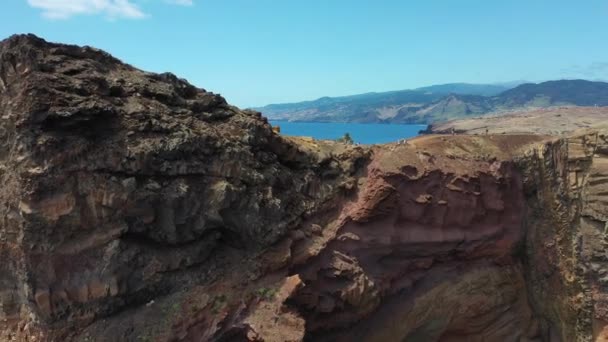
{"points": [[256, 52]]}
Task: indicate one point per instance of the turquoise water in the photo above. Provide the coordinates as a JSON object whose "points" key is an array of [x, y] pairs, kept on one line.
{"points": [[361, 133]]}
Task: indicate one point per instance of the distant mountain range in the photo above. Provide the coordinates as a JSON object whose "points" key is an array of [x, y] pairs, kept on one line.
{"points": [[441, 102]]}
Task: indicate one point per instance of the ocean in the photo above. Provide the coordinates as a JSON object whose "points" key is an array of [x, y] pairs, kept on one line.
{"points": [[360, 133]]}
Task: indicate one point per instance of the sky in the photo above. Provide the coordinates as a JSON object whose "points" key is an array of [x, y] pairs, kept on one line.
{"points": [[256, 52]]}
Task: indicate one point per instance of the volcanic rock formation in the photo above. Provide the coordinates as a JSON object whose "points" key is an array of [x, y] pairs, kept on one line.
{"points": [[136, 207]]}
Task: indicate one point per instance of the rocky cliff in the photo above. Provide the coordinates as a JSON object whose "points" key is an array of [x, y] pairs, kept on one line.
{"points": [[136, 207], [121, 186], [566, 189]]}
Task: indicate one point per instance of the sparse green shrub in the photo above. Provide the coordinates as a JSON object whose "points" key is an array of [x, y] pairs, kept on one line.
{"points": [[266, 293], [346, 139], [218, 304]]}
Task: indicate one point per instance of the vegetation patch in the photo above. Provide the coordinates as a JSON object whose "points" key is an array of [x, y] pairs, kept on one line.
{"points": [[266, 293]]}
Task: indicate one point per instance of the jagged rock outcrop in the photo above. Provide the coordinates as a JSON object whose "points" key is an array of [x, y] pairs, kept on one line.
{"points": [[136, 207], [566, 184], [119, 185]]}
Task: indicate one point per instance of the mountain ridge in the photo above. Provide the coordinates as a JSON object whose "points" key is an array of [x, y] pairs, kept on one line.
{"points": [[441, 102]]}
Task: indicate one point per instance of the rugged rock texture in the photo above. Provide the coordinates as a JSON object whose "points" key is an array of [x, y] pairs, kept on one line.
{"points": [[566, 184], [119, 184], [425, 253], [136, 207]]}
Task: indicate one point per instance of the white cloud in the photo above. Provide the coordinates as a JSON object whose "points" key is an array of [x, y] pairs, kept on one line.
{"points": [[63, 9], [181, 2], [113, 9]]}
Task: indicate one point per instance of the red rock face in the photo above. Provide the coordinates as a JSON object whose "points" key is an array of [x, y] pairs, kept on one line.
{"points": [[421, 253]]}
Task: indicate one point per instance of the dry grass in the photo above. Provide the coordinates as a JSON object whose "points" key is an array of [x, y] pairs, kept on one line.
{"points": [[550, 121]]}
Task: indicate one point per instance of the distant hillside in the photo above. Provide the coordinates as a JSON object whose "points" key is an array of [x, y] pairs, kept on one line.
{"points": [[467, 89], [564, 92], [441, 102]]}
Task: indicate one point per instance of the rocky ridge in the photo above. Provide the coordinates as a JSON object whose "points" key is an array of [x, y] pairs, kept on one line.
{"points": [[137, 207], [121, 184]]}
